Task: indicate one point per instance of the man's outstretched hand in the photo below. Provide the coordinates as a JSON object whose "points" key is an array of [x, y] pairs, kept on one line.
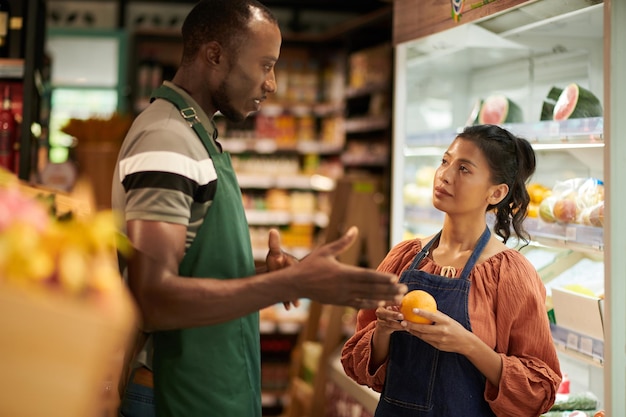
{"points": [[321, 277]]}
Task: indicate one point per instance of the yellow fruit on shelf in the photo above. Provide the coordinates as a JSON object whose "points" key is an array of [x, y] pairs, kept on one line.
{"points": [[580, 289], [538, 192]]}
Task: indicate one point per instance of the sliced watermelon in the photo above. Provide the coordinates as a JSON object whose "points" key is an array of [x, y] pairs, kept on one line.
{"points": [[547, 110], [575, 102], [498, 109], [472, 119]]}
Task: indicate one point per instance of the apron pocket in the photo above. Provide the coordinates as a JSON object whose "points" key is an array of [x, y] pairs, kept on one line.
{"points": [[406, 388]]}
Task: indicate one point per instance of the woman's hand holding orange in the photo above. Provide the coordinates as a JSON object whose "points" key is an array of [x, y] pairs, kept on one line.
{"points": [[388, 320], [445, 333]]}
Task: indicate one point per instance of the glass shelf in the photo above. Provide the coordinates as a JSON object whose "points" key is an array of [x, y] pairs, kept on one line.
{"points": [[557, 134]]}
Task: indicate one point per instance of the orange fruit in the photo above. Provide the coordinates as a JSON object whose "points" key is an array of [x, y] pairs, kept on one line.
{"points": [[417, 299]]}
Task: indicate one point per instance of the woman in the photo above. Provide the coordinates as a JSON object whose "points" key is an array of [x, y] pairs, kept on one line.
{"points": [[489, 350]]}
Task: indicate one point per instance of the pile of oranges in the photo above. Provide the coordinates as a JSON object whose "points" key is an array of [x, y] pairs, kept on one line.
{"points": [[538, 193]]}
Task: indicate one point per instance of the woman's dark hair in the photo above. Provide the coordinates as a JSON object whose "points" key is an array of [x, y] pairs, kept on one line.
{"points": [[511, 161], [224, 21]]}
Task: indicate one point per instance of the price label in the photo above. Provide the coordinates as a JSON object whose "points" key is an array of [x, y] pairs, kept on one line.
{"points": [[586, 346], [572, 341]]}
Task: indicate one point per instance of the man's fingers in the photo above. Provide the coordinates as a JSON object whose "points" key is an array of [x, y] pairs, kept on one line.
{"points": [[341, 244], [274, 242], [364, 304], [380, 287]]}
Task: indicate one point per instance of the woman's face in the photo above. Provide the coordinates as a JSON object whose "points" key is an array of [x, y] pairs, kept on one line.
{"points": [[463, 182], [250, 75]]}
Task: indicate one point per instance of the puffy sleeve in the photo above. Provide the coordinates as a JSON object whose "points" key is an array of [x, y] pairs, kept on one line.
{"points": [[531, 372], [356, 352]]}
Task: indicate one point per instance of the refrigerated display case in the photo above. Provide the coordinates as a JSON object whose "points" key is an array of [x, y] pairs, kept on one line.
{"points": [[521, 50]]}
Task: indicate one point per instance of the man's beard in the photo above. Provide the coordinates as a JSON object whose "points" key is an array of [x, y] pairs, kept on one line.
{"points": [[224, 105]]}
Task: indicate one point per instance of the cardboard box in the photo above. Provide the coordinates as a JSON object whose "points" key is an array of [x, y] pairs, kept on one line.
{"points": [[579, 312], [61, 356]]}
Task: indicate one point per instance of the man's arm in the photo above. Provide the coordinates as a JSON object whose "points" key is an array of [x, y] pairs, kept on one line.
{"points": [[168, 301]]}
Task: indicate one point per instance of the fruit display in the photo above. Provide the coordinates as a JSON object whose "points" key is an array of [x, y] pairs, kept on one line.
{"points": [[577, 200], [547, 109], [419, 193], [73, 255], [498, 109], [576, 102], [537, 192], [417, 299], [63, 305], [472, 119]]}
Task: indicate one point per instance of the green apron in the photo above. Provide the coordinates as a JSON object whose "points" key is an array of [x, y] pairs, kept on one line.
{"points": [[213, 370]]}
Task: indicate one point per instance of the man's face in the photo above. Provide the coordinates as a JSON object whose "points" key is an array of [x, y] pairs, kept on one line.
{"points": [[250, 74]]}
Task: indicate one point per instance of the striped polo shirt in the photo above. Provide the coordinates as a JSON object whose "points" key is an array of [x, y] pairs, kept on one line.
{"points": [[164, 173]]}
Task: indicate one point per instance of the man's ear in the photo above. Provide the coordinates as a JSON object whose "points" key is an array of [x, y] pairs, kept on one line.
{"points": [[213, 53], [498, 192]]}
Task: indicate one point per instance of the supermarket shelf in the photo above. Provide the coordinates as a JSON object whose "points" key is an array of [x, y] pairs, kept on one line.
{"points": [[362, 160], [296, 181], [300, 109], [12, 68], [542, 135], [366, 396], [577, 345], [379, 87], [279, 218], [568, 236], [280, 327], [574, 236], [259, 254], [271, 146], [367, 124]]}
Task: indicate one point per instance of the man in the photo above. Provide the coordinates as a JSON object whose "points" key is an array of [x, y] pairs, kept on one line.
{"points": [[192, 273]]}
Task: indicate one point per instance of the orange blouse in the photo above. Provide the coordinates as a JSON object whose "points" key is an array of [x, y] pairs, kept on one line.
{"points": [[507, 312]]}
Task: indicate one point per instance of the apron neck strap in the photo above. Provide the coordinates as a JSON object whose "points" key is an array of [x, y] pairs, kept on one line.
{"points": [[478, 249], [189, 114], [424, 252]]}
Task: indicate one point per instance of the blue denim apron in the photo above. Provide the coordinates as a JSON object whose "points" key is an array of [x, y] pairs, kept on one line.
{"points": [[422, 380]]}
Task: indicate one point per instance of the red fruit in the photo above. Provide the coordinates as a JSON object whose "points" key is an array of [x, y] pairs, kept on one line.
{"points": [[565, 211], [596, 218]]}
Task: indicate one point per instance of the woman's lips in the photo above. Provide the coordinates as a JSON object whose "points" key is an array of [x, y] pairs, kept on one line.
{"points": [[441, 192]]}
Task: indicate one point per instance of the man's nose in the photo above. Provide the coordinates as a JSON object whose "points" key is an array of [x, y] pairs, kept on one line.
{"points": [[270, 83]]}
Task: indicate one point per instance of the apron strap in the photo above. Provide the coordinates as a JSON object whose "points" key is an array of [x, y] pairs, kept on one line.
{"points": [[480, 245], [188, 113], [424, 252], [482, 242]]}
